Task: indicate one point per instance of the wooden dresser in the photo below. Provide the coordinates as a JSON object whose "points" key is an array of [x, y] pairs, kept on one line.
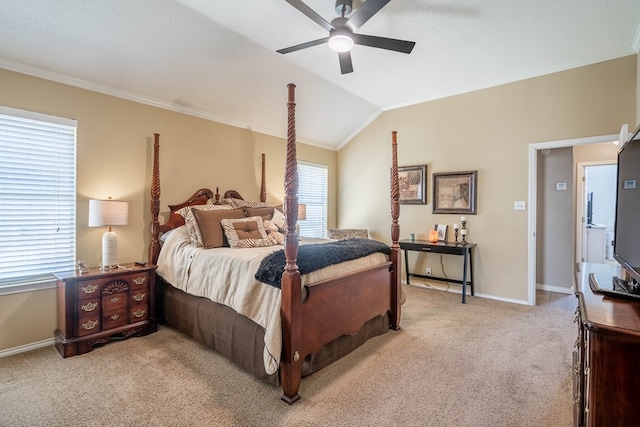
{"points": [[606, 359], [98, 306]]}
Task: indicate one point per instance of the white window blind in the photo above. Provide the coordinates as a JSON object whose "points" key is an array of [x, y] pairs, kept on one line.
{"points": [[37, 196], [312, 192]]}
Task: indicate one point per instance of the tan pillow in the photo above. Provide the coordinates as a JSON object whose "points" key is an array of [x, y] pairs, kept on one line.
{"points": [[208, 232], [265, 213], [246, 232], [187, 214]]}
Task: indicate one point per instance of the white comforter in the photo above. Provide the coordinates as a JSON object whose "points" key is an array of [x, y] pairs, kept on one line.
{"points": [[226, 276]]}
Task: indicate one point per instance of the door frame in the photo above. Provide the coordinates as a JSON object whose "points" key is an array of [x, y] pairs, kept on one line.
{"points": [[533, 195]]}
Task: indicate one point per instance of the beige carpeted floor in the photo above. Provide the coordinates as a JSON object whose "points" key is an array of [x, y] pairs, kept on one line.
{"points": [[484, 363]]}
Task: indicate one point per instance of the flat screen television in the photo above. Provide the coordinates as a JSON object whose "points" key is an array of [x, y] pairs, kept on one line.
{"points": [[626, 246]]}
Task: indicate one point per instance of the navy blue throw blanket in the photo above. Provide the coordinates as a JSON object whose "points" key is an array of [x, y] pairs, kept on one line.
{"points": [[317, 256]]}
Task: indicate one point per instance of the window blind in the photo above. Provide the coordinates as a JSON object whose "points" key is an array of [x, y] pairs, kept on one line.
{"points": [[37, 196], [312, 191]]}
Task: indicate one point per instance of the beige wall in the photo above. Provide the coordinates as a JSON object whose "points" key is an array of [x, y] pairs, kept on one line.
{"points": [[114, 157], [488, 131], [555, 218]]}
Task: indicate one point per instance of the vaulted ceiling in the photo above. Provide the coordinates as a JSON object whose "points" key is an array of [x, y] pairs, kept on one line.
{"points": [[217, 59]]}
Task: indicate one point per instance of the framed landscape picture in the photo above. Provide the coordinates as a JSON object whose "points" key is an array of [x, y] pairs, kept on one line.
{"points": [[413, 184], [455, 192]]}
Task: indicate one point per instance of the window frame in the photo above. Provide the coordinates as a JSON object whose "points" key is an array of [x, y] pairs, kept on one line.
{"points": [[51, 128]]}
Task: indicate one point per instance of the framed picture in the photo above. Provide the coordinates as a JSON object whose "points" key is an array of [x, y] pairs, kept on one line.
{"points": [[442, 232], [413, 184], [455, 192]]}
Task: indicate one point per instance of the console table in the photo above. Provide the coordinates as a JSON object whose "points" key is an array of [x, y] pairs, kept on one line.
{"points": [[447, 248]]}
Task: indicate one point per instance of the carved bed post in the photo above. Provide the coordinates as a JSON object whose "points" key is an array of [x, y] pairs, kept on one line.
{"points": [[291, 307], [394, 317], [154, 246], [263, 183]]}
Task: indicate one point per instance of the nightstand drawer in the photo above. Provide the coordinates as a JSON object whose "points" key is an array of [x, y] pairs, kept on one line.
{"points": [[88, 325], [114, 301], [113, 319], [89, 305], [138, 313]]}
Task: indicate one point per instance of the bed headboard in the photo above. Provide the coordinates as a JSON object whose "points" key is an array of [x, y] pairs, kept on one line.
{"points": [[200, 197]]}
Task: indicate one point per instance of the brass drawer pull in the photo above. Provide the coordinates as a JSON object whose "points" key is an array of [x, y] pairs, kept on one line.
{"points": [[89, 289], [89, 325], [115, 316], [139, 280], [90, 306], [115, 299], [139, 313], [138, 297]]}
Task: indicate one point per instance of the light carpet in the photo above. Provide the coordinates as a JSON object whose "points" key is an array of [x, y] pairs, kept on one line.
{"points": [[484, 363]]}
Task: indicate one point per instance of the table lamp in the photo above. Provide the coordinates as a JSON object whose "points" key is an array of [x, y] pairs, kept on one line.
{"points": [[302, 215], [108, 213]]}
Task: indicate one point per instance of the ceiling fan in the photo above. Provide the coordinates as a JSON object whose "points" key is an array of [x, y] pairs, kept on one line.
{"points": [[342, 31]]}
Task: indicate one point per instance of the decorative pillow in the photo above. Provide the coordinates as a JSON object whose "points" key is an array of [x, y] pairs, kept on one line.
{"points": [[239, 203], [278, 219], [245, 232], [187, 214], [273, 233], [265, 213], [207, 231]]}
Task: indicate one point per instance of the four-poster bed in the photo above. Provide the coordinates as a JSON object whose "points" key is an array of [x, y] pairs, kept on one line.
{"points": [[319, 317]]}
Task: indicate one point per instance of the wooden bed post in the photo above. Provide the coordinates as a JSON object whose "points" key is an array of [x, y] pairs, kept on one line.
{"points": [[291, 293], [394, 255], [154, 247], [263, 183]]}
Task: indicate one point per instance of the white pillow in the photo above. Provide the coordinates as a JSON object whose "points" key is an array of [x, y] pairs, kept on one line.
{"points": [[278, 219]]}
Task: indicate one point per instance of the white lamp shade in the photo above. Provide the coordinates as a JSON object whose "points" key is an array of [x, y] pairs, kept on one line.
{"points": [[107, 213]]}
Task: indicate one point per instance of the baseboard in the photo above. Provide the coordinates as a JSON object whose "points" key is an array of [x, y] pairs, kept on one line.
{"points": [[27, 347], [551, 288], [457, 289]]}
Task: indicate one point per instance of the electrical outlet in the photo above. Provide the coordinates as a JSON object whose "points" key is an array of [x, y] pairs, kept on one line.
{"points": [[427, 271]]}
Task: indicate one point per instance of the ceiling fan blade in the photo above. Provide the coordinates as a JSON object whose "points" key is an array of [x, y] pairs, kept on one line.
{"points": [[303, 45], [345, 62], [365, 12], [311, 14], [384, 43]]}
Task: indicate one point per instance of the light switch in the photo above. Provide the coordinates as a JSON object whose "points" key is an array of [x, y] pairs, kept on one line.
{"points": [[518, 205]]}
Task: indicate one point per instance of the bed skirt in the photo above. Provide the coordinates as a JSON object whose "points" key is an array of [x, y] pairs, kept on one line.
{"points": [[240, 339]]}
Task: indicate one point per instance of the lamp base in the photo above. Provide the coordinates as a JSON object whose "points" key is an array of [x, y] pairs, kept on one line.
{"points": [[109, 251]]}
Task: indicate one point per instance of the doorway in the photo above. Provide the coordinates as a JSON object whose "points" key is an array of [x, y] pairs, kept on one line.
{"points": [[533, 200], [595, 219]]}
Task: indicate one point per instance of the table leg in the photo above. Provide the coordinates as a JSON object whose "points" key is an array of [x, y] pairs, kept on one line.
{"points": [[406, 264], [471, 270], [464, 276]]}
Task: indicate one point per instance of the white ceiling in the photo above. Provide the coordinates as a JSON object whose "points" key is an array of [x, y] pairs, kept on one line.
{"points": [[217, 59]]}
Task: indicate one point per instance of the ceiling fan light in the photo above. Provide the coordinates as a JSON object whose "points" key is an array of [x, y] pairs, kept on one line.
{"points": [[340, 43]]}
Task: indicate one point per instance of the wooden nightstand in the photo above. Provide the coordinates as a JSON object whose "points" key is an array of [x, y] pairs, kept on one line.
{"points": [[98, 306]]}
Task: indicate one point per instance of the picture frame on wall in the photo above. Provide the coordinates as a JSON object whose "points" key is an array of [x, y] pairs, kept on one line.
{"points": [[455, 192], [413, 184]]}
